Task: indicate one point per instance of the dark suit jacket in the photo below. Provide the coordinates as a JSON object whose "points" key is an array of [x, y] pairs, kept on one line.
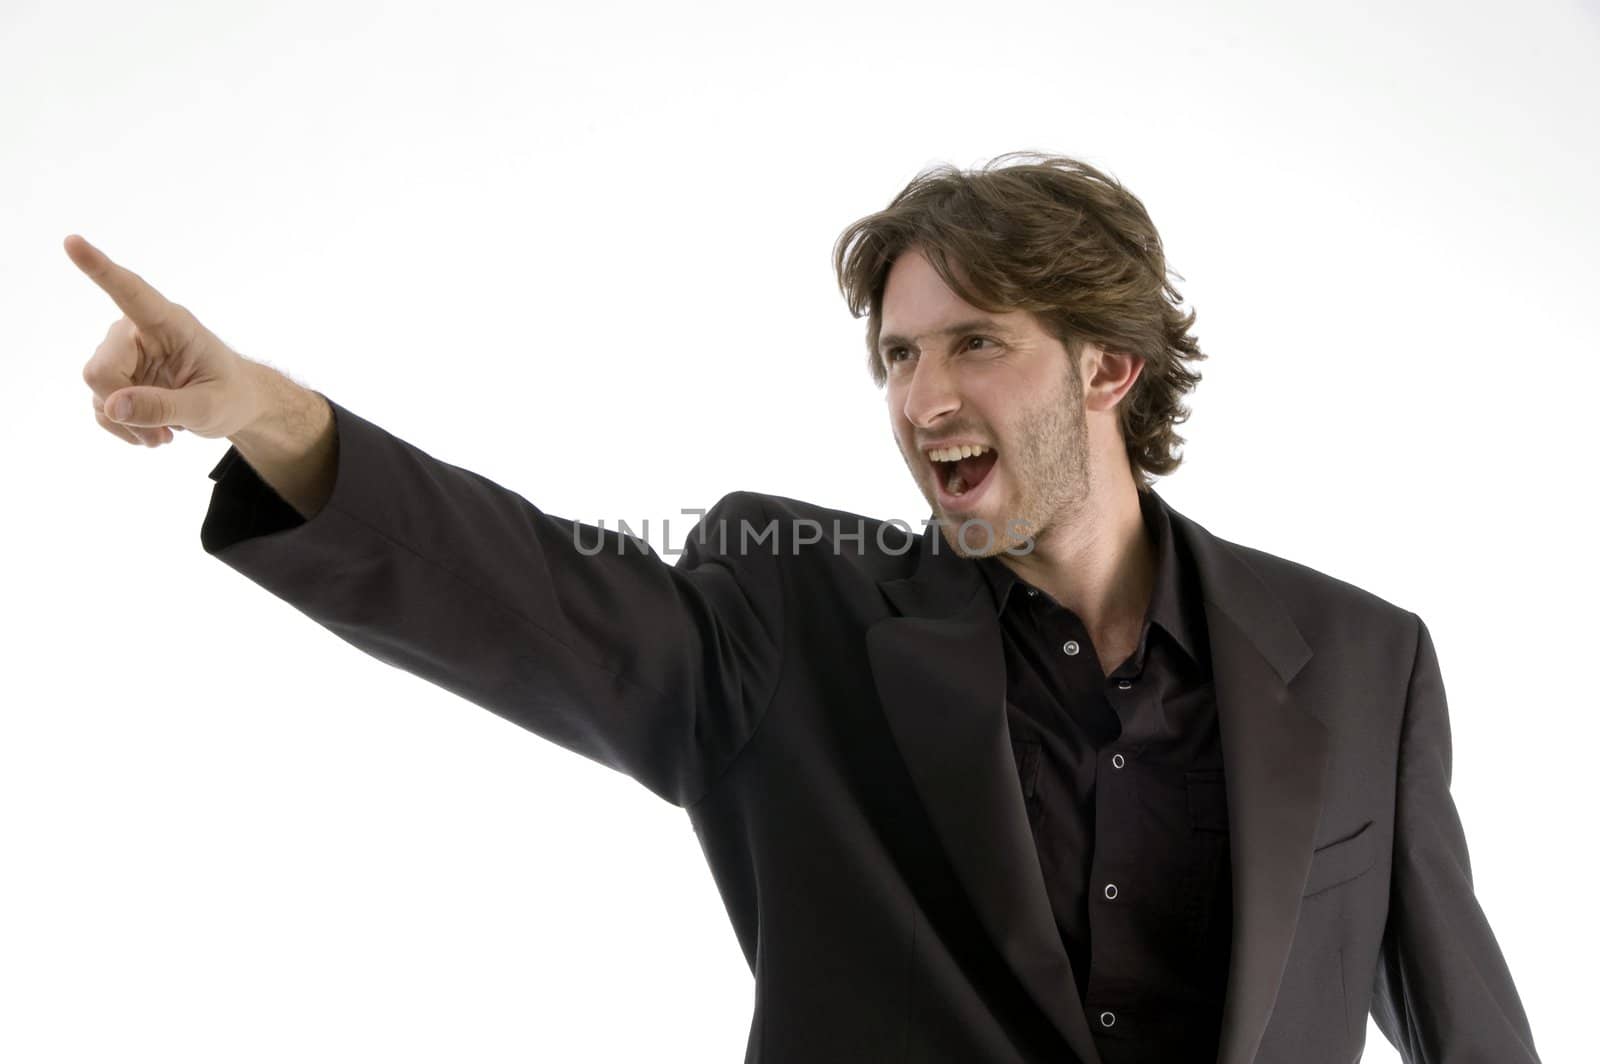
{"points": [[830, 713]]}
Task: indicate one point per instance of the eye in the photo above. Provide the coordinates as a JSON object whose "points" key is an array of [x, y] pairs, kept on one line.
{"points": [[889, 356]]}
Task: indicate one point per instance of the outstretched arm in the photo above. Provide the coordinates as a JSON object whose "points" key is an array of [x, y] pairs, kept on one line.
{"points": [[658, 671]]}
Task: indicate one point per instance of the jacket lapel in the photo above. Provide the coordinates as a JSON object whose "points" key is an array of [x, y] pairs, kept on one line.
{"points": [[939, 669], [1274, 753]]}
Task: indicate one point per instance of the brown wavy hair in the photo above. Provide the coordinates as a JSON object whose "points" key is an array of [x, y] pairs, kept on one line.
{"points": [[1058, 238]]}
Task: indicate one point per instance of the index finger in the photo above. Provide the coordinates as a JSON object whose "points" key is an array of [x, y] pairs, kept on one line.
{"points": [[143, 305]]}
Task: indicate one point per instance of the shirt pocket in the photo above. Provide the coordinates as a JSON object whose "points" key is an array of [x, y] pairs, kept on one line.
{"points": [[1206, 896], [1208, 800], [1028, 752]]}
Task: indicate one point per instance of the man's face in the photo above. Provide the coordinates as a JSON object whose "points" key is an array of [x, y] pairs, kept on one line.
{"points": [[1007, 385]]}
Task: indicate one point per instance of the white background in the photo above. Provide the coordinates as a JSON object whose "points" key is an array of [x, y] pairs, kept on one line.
{"points": [[585, 251]]}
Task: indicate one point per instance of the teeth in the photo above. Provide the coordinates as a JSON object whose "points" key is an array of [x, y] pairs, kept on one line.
{"points": [[955, 485], [952, 454]]}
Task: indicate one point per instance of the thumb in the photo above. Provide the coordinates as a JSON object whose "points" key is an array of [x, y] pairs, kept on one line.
{"points": [[143, 407]]}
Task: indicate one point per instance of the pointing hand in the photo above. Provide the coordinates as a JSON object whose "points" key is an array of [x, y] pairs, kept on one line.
{"points": [[173, 371]]}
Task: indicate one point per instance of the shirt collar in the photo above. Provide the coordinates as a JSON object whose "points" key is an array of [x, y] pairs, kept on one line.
{"points": [[1174, 600]]}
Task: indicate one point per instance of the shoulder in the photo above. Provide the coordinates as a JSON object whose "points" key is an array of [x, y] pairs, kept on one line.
{"points": [[1361, 641], [745, 522], [799, 522], [1323, 603]]}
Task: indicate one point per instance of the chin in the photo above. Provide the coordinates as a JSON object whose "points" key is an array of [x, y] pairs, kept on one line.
{"points": [[983, 536]]}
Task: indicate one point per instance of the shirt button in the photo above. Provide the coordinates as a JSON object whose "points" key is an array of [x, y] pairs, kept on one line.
{"points": [[1070, 646], [1117, 761], [1032, 591], [1123, 685], [1107, 1019], [1111, 890]]}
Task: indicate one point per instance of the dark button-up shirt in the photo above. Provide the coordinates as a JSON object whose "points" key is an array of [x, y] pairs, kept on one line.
{"points": [[1122, 778]]}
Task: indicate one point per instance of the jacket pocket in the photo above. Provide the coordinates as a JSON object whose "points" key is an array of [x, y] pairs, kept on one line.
{"points": [[1339, 862]]}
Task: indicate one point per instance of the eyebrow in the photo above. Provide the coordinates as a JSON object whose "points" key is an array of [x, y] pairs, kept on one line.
{"points": [[970, 325]]}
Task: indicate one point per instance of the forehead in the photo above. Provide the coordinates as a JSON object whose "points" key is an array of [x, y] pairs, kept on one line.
{"points": [[918, 304]]}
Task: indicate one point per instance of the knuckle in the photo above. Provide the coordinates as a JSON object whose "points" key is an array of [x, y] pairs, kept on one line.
{"points": [[168, 314], [98, 378]]}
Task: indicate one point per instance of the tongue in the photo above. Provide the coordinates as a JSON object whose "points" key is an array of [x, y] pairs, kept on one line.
{"points": [[973, 470]]}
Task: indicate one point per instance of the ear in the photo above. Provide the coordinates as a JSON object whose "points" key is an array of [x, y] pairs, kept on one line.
{"points": [[1107, 376]]}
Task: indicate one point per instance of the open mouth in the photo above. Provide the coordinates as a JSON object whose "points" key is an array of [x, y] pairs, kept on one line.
{"points": [[960, 477]]}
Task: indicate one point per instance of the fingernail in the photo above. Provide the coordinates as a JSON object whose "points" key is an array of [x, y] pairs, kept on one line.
{"points": [[121, 408]]}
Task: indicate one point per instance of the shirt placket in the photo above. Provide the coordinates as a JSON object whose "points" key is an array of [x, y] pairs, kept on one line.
{"points": [[1116, 872]]}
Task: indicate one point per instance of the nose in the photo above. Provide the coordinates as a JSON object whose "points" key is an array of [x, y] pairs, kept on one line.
{"points": [[931, 394]]}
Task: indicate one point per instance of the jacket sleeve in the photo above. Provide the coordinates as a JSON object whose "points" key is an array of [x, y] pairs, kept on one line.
{"points": [[579, 634], [1443, 993]]}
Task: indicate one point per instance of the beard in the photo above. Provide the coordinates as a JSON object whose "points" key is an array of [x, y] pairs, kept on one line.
{"points": [[1049, 471]]}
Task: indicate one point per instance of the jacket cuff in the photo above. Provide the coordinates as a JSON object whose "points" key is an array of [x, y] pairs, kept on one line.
{"points": [[243, 505]]}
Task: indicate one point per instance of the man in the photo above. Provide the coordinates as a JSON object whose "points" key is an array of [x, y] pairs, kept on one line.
{"points": [[1064, 777]]}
